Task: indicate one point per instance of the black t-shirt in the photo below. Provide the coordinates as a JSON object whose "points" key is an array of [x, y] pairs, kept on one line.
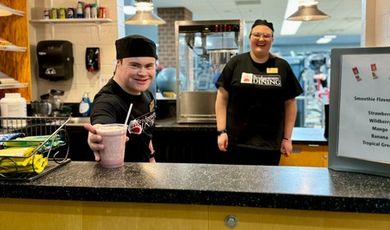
{"points": [[111, 105], [257, 92]]}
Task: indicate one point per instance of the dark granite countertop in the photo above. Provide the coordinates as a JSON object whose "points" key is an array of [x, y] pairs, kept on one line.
{"points": [[231, 185]]}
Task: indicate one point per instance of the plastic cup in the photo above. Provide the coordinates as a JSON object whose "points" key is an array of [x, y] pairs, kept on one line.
{"points": [[114, 141]]}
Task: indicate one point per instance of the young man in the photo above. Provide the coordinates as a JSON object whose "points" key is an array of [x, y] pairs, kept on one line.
{"points": [[135, 71]]}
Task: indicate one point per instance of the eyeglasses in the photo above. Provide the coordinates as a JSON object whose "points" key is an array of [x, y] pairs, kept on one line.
{"points": [[259, 35]]}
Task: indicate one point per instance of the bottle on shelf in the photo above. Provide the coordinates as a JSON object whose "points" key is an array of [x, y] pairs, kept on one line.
{"points": [[80, 10], [13, 105], [94, 10], [85, 105], [87, 11]]}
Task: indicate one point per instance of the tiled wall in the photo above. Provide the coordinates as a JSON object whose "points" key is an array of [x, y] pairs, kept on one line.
{"points": [[166, 33], [81, 35], [382, 23], [375, 25], [93, 35]]}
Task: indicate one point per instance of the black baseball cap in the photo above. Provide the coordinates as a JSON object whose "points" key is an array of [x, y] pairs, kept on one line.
{"points": [[135, 46], [263, 22]]}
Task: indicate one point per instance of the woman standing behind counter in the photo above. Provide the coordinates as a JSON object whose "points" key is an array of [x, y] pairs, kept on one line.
{"points": [[255, 105]]}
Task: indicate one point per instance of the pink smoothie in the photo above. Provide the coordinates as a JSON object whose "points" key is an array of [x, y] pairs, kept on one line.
{"points": [[114, 141]]}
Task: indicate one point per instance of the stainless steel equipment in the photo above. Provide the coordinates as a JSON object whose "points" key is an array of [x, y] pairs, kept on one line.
{"points": [[202, 50], [49, 105]]}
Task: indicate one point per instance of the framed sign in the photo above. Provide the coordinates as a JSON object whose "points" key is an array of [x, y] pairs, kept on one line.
{"points": [[359, 125]]}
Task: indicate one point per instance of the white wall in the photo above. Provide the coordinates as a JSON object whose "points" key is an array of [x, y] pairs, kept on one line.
{"points": [[376, 26], [81, 35], [382, 23]]}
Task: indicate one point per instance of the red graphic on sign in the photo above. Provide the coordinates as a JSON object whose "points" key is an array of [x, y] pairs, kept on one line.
{"points": [[356, 73], [373, 71]]}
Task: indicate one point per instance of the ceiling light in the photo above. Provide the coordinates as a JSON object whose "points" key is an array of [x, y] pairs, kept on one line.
{"points": [[247, 2], [129, 10], [323, 40], [144, 14], [308, 11], [326, 39]]}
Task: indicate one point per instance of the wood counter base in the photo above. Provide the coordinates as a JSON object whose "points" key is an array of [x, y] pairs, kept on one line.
{"points": [[50, 214], [83, 195], [313, 155]]}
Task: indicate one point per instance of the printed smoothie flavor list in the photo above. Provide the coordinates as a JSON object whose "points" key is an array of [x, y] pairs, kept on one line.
{"points": [[365, 108]]}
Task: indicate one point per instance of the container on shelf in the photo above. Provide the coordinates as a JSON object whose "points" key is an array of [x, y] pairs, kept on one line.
{"points": [[46, 14], [102, 12], [70, 12], [53, 13], [94, 11], [87, 11], [13, 105], [80, 10], [62, 12]]}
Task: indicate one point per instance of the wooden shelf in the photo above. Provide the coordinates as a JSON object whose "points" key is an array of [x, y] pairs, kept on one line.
{"points": [[73, 20], [96, 21], [6, 11], [15, 57], [13, 86], [13, 48]]}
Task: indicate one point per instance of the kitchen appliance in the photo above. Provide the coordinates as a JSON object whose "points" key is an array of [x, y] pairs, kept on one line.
{"points": [[56, 101], [55, 60], [42, 108], [50, 104], [202, 50]]}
